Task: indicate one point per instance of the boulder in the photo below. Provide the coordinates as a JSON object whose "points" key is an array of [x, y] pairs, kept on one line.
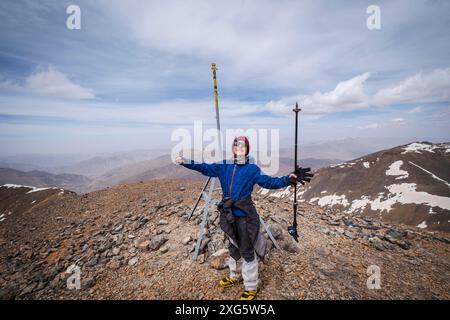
{"points": [[219, 260], [350, 235], [157, 241], [276, 231], [165, 248], [143, 245], [162, 222], [133, 261], [186, 240]]}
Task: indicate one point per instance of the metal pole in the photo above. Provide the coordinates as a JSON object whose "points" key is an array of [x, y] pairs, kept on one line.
{"points": [[204, 219], [293, 229], [296, 110], [198, 199], [266, 228], [216, 100], [213, 180]]}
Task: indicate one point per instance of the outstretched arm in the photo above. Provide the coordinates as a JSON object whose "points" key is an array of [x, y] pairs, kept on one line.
{"points": [[207, 169], [269, 182]]}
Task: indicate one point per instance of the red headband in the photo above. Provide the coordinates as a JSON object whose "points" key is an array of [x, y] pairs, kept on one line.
{"points": [[247, 143]]}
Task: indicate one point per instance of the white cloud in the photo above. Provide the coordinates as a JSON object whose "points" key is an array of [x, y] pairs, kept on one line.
{"points": [[346, 96], [49, 83], [52, 83], [397, 120], [264, 50], [281, 46], [422, 87], [350, 95], [261, 44]]}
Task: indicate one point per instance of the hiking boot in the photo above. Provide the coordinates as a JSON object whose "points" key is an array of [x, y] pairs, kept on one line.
{"points": [[249, 294], [228, 282]]}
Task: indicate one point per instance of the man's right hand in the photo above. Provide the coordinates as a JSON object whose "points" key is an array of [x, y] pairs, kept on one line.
{"points": [[301, 175], [179, 159]]}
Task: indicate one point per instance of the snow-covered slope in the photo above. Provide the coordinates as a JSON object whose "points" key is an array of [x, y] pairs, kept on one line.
{"points": [[407, 184]]}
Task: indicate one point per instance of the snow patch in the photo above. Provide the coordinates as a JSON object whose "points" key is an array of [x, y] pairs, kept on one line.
{"points": [[417, 147], [281, 194], [366, 164], [331, 200], [286, 192], [422, 225], [33, 189], [343, 165], [10, 185], [404, 193], [359, 204], [299, 195], [39, 189], [394, 170]]}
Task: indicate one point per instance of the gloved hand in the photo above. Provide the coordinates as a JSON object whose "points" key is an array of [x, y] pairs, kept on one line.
{"points": [[300, 175]]}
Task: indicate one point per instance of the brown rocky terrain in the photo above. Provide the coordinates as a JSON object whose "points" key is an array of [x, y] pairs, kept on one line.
{"points": [[132, 241]]}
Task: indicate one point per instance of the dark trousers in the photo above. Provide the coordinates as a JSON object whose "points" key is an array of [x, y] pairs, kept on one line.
{"points": [[245, 248]]}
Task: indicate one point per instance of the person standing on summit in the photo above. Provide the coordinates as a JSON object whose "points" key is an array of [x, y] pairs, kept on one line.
{"points": [[238, 216]]}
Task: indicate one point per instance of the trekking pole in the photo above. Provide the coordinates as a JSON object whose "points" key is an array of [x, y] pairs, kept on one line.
{"points": [[293, 229]]}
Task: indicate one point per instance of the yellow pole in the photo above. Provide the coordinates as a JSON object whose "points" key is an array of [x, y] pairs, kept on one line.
{"points": [[216, 100]]}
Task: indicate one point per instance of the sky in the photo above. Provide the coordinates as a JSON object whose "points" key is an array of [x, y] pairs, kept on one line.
{"points": [[136, 71]]}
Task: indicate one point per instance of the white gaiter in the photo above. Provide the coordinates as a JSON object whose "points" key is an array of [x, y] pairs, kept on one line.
{"points": [[235, 268], [250, 274]]}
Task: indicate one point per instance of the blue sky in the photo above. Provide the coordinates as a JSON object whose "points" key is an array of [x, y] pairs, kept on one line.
{"points": [[137, 70]]}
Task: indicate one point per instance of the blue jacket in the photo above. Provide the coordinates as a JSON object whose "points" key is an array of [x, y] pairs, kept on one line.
{"points": [[245, 177]]}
